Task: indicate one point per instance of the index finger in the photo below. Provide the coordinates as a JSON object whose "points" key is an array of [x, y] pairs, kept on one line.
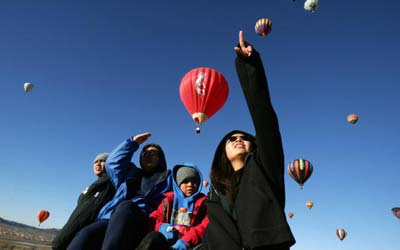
{"points": [[241, 39]]}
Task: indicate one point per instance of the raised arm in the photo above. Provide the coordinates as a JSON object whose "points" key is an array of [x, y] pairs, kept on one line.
{"points": [[255, 89], [118, 164]]}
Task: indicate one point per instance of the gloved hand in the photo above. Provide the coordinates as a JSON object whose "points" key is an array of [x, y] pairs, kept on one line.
{"points": [[168, 231], [179, 245]]}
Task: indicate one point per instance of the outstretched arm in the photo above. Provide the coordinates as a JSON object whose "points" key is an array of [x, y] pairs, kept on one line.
{"points": [[255, 89]]}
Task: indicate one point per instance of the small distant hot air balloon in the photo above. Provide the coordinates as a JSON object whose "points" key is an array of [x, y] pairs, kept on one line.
{"points": [[290, 215], [203, 91], [42, 215], [28, 87], [300, 170], [309, 204], [352, 118], [311, 5], [263, 26], [205, 184], [341, 233], [396, 211]]}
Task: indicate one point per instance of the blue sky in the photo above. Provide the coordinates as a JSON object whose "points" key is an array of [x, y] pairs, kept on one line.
{"points": [[106, 70]]}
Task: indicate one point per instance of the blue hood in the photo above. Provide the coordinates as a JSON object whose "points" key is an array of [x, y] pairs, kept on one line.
{"points": [[182, 202]]}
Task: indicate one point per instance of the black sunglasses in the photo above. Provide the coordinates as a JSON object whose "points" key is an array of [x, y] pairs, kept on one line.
{"points": [[241, 137], [150, 152]]}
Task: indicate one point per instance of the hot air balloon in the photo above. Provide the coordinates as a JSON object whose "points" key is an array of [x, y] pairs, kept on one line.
{"points": [[311, 5], [263, 26], [352, 118], [396, 211], [42, 215], [203, 91], [300, 170], [290, 215], [205, 184], [309, 204], [341, 233], [28, 87]]}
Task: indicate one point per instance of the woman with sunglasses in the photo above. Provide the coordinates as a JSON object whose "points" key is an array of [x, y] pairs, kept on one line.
{"points": [[246, 200]]}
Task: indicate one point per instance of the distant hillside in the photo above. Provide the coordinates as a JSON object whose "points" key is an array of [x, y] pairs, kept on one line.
{"points": [[11, 230]]}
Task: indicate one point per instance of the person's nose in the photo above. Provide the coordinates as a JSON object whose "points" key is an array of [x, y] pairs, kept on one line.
{"points": [[238, 138]]}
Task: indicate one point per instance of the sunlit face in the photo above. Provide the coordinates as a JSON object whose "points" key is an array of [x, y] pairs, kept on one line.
{"points": [[150, 159], [99, 167], [189, 186], [237, 147]]}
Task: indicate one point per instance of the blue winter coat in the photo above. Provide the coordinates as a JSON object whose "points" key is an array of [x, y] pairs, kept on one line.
{"points": [[126, 178]]}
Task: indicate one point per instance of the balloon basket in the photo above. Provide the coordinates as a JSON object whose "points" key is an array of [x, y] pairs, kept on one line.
{"points": [[198, 130]]}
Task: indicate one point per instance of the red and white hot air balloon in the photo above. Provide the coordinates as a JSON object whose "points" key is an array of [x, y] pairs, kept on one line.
{"points": [[203, 91]]}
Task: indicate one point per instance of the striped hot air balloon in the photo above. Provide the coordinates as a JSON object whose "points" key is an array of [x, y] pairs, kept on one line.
{"points": [[352, 118], [341, 233], [263, 26], [42, 215], [300, 170]]}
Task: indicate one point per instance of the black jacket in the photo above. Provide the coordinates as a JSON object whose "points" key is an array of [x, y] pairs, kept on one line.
{"points": [[89, 204], [257, 220]]}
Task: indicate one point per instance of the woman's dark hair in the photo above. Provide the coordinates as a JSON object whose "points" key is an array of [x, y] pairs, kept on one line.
{"points": [[162, 163], [222, 175]]}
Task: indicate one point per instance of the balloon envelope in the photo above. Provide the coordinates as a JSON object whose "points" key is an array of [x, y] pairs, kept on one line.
{"points": [[28, 87], [300, 170], [311, 5], [309, 204], [203, 91], [352, 118], [263, 26], [396, 211], [42, 215], [341, 233], [290, 215], [205, 183]]}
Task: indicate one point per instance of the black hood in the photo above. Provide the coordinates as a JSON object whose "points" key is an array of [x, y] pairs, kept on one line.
{"points": [[219, 173], [162, 165], [221, 145]]}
